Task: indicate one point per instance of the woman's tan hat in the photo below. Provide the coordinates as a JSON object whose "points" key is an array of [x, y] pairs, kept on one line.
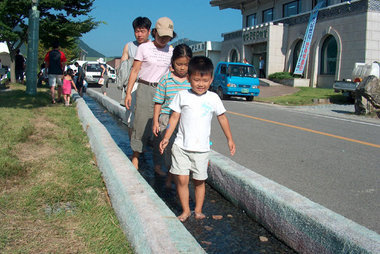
{"points": [[165, 27]]}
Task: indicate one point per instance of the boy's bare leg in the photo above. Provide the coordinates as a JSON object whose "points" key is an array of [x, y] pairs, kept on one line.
{"points": [[59, 92], [52, 91], [135, 159], [182, 182], [200, 190]]}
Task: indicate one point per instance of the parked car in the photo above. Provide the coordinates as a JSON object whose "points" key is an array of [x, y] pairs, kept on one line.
{"points": [[235, 79], [111, 73], [360, 72], [92, 71]]}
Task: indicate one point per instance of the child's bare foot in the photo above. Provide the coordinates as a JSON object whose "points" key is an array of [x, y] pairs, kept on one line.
{"points": [[184, 216], [168, 184], [199, 216], [159, 172], [169, 181]]}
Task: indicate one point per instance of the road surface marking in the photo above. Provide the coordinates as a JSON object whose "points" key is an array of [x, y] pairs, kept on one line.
{"points": [[303, 111], [307, 130], [333, 117]]}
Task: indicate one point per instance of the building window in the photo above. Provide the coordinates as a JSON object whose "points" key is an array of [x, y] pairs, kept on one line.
{"points": [[325, 3], [328, 56], [296, 53], [292, 8], [251, 20], [268, 15], [234, 57]]}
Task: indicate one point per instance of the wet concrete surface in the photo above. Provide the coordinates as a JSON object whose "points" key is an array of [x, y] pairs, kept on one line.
{"points": [[227, 229]]}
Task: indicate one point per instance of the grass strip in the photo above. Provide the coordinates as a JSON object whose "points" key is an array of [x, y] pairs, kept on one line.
{"points": [[305, 96], [52, 196]]}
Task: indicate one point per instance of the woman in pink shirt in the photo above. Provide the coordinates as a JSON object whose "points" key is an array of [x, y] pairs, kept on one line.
{"points": [[151, 62]]}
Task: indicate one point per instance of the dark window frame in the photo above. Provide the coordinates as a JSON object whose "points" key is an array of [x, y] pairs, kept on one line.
{"points": [[325, 4], [263, 15], [327, 64], [298, 6], [254, 18], [234, 56], [296, 53]]}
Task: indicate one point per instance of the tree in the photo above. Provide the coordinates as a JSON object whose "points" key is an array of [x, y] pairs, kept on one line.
{"points": [[62, 20]]}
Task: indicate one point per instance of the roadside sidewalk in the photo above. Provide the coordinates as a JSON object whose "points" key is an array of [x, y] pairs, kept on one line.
{"points": [[269, 88]]}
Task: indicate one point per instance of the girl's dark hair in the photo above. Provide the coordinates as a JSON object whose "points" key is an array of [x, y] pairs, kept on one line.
{"points": [[180, 51], [154, 31], [141, 22], [70, 72], [202, 65]]}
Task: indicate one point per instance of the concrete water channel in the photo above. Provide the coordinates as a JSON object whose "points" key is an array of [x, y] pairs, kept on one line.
{"points": [[227, 229]]}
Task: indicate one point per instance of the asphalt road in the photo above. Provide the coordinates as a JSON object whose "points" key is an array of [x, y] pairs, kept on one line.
{"points": [[332, 160]]}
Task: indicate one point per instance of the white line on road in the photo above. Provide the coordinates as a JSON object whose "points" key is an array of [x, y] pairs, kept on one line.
{"points": [[302, 111]]}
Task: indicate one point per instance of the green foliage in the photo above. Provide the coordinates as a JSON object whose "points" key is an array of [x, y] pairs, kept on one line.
{"points": [[71, 53], [280, 75], [60, 20]]}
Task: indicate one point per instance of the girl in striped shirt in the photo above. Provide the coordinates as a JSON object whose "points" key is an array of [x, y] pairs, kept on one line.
{"points": [[168, 86]]}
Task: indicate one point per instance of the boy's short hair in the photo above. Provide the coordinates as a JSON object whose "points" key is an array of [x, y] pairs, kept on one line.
{"points": [[55, 44], [202, 65], [141, 22]]}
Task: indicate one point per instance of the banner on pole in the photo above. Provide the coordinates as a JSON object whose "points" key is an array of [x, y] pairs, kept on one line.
{"points": [[305, 49]]}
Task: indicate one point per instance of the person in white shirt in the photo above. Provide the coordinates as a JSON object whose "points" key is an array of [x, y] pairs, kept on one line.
{"points": [[152, 61], [194, 110]]}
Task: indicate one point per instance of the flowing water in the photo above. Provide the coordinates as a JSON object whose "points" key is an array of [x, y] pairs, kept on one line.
{"points": [[227, 229]]}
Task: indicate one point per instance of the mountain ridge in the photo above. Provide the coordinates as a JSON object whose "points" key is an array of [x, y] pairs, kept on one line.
{"points": [[90, 51]]}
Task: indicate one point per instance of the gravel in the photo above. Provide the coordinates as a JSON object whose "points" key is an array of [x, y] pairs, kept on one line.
{"points": [[336, 110]]}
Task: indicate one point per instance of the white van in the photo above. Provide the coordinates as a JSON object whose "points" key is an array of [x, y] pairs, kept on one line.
{"points": [[111, 73], [92, 71]]}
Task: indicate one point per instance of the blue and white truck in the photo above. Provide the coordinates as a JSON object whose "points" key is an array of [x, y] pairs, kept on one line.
{"points": [[235, 79]]}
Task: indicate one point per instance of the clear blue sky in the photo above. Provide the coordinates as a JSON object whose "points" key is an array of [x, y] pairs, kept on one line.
{"points": [[193, 19]]}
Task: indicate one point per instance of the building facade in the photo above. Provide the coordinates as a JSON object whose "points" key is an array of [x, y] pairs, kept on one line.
{"points": [[346, 32], [211, 49]]}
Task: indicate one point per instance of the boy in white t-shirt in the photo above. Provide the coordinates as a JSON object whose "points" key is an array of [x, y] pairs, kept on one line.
{"points": [[194, 110]]}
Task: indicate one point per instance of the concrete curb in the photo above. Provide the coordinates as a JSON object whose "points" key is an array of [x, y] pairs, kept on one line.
{"points": [[305, 226], [111, 105], [150, 226]]}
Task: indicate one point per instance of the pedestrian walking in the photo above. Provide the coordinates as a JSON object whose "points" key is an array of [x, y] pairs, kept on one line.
{"points": [[168, 86], [141, 27], [19, 67], [103, 80], [68, 84], [261, 67], [194, 109], [80, 79], [151, 62], [55, 63]]}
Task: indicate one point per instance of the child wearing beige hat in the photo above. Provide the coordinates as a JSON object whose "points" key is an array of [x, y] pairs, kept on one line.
{"points": [[151, 62]]}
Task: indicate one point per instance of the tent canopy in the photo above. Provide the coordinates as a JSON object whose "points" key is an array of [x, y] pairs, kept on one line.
{"points": [[4, 54]]}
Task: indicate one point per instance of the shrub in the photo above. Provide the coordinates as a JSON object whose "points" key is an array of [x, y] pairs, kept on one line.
{"points": [[280, 75]]}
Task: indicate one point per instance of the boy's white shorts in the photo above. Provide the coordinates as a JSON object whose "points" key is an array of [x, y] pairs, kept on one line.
{"points": [[55, 79], [184, 162]]}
